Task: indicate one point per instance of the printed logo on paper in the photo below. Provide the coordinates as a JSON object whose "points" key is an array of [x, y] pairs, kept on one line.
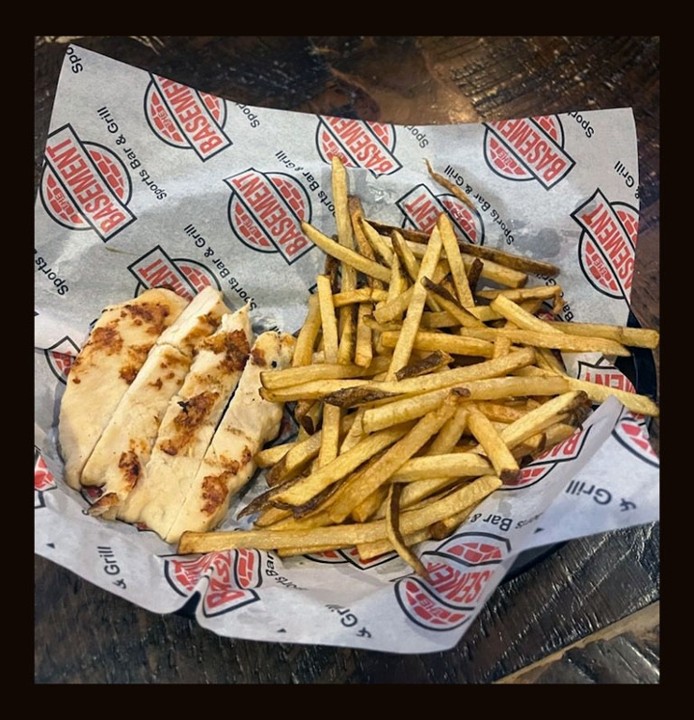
{"points": [[421, 208], [607, 244], [542, 466], [351, 556], [60, 357], [461, 570], [528, 149], [184, 276], [230, 578], [632, 433], [266, 211], [358, 143], [85, 186], [43, 479], [185, 118]]}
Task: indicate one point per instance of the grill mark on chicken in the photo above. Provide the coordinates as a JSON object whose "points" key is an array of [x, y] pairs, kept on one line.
{"points": [[129, 463], [193, 413], [189, 424], [104, 369], [247, 424], [214, 493], [153, 314], [235, 347]]}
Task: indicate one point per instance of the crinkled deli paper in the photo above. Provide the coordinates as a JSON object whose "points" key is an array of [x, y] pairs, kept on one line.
{"points": [[148, 182]]}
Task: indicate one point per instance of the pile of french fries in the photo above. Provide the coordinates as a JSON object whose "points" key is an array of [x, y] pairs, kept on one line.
{"points": [[425, 376]]}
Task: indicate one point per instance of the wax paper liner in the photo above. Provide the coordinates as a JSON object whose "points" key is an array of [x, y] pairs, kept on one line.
{"points": [[148, 182]]}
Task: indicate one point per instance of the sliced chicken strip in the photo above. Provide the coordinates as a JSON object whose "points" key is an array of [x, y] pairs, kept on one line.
{"points": [[189, 424], [126, 443], [248, 423], [105, 367]]}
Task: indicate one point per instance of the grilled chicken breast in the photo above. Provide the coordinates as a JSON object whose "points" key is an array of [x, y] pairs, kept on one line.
{"points": [[189, 424], [125, 445], [103, 370], [248, 423]]}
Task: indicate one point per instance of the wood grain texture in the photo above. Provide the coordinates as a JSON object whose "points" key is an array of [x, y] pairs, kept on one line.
{"points": [[627, 652], [86, 635]]}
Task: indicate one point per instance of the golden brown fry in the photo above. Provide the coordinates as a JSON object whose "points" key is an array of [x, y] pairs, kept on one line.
{"points": [[405, 409], [378, 242], [519, 317], [499, 454], [366, 509], [405, 341], [555, 410], [450, 186], [340, 467], [330, 435], [450, 304], [328, 319], [450, 465], [454, 344], [550, 340], [405, 255], [361, 295], [394, 457], [496, 272], [306, 339], [395, 306], [346, 255], [639, 404], [337, 536], [455, 261], [395, 536], [544, 292], [363, 350], [631, 337], [287, 377], [430, 363]]}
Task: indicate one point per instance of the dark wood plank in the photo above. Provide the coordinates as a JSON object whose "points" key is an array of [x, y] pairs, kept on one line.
{"points": [[627, 652], [85, 635]]}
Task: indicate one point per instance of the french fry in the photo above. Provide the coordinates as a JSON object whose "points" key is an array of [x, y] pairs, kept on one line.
{"points": [[449, 465], [306, 339], [454, 344], [423, 390], [519, 317], [395, 306], [395, 536], [337, 536], [361, 295], [631, 337], [405, 341], [550, 340], [267, 457], [432, 362], [340, 252], [451, 306], [380, 246], [450, 186], [499, 454], [288, 377], [395, 457], [455, 261], [340, 467], [637, 403]]}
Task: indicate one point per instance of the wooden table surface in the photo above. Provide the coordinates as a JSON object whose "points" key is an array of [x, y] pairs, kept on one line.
{"points": [[603, 588]]}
